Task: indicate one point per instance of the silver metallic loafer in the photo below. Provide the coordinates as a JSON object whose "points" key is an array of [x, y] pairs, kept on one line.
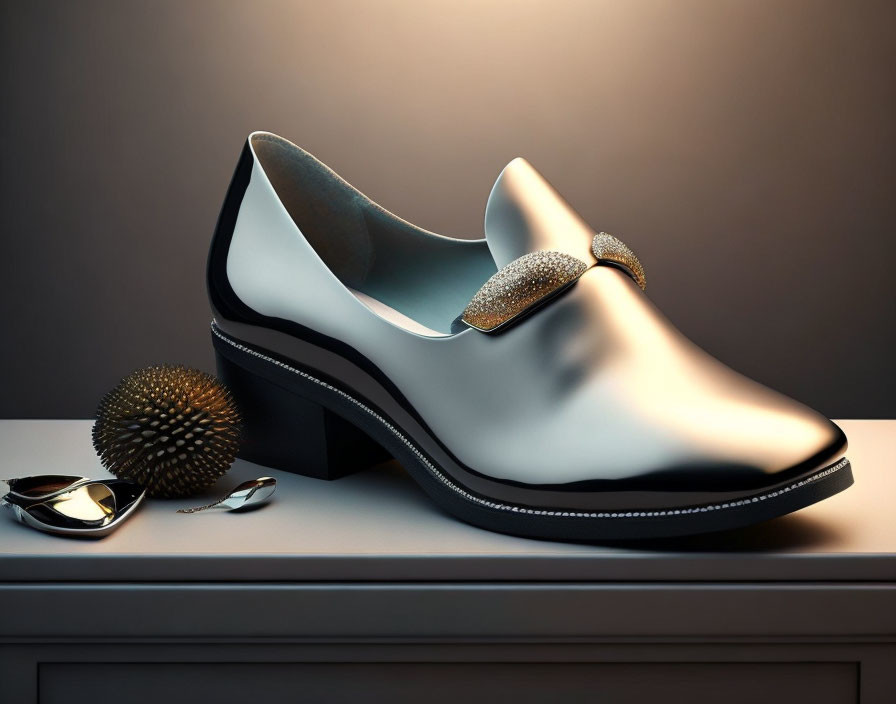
{"points": [[524, 380]]}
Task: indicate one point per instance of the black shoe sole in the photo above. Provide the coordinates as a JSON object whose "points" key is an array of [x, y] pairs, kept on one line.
{"points": [[296, 421]]}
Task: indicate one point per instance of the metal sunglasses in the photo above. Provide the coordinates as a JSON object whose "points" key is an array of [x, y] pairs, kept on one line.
{"points": [[73, 506]]}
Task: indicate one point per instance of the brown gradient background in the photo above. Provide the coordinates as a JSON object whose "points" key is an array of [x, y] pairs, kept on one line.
{"points": [[745, 149]]}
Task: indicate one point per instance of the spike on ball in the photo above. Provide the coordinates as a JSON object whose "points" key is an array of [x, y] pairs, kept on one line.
{"points": [[173, 430]]}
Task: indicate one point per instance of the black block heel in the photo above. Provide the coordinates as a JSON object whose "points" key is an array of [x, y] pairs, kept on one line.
{"points": [[284, 431]]}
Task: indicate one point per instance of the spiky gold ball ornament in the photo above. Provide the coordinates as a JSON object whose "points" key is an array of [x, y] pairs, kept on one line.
{"points": [[171, 429]]}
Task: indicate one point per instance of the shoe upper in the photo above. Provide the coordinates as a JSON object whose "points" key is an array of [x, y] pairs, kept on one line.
{"points": [[597, 385]]}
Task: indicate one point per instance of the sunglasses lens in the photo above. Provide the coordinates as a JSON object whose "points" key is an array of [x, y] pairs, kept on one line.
{"points": [[42, 485], [93, 503]]}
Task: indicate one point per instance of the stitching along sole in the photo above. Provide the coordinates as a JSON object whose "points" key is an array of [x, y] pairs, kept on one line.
{"points": [[583, 525]]}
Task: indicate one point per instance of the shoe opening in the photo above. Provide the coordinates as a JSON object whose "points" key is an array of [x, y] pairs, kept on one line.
{"points": [[416, 279]]}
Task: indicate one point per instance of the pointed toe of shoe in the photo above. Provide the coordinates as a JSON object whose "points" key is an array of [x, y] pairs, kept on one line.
{"points": [[784, 444], [830, 446], [801, 440]]}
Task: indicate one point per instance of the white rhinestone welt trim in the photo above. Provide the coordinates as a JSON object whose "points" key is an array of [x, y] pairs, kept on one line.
{"points": [[522, 509]]}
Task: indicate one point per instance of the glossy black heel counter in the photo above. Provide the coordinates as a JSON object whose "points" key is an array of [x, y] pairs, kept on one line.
{"points": [[224, 301]]}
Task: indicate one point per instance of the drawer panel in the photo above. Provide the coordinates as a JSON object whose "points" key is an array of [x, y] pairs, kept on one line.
{"points": [[433, 683]]}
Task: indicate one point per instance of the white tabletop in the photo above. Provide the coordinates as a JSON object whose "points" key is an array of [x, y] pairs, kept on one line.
{"points": [[377, 525]]}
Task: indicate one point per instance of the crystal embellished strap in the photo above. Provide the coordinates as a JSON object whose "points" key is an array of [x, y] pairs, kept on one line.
{"points": [[519, 287], [607, 248], [533, 279]]}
